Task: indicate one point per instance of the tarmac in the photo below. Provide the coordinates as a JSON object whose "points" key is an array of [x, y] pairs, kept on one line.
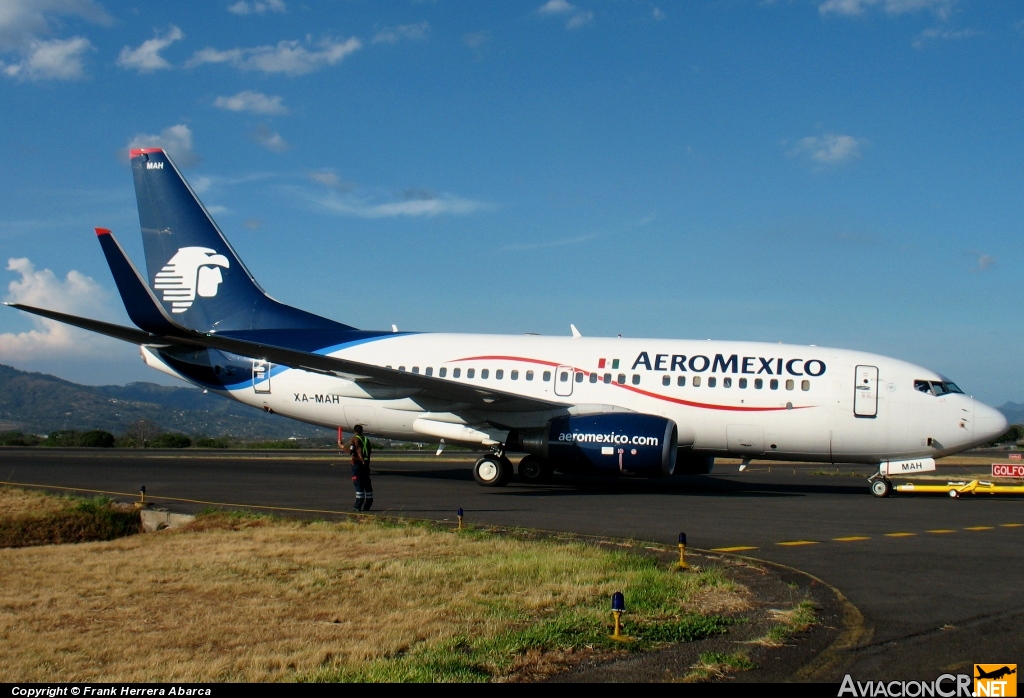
{"points": [[934, 581]]}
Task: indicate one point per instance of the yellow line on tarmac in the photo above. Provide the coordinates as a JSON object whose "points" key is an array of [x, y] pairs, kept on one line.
{"points": [[733, 549], [799, 542], [941, 530], [1011, 525], [979, 528], [899, 535], [850, 539]]}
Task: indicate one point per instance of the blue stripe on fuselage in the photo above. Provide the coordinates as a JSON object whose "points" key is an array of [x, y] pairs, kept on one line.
{"points": [[321, 342]]}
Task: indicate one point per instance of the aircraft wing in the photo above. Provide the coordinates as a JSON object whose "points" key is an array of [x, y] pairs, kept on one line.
{"points": [[465, 396]]}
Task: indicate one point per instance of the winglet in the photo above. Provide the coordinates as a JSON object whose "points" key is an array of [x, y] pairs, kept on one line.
{"points": [[142, 306], [575, 333]]}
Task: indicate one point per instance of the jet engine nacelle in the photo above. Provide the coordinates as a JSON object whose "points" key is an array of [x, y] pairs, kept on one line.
{"points": [[605, 443]]}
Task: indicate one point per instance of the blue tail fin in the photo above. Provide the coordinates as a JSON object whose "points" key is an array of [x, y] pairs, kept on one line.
{"points": [[193, 270]]}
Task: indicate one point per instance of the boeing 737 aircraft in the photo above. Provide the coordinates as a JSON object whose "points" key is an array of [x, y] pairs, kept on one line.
{"points": [[574, 404]]}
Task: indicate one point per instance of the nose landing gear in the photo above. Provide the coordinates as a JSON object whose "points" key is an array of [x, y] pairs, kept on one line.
{"points": [[880, 486]]}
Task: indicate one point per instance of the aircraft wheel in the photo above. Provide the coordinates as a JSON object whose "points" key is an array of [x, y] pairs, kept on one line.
{"points": [[534, 470], [954, 494], [490, 471], [881, 487]]}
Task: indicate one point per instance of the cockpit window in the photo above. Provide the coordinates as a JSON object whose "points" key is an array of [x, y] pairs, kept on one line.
{"points": [[937, 387]]}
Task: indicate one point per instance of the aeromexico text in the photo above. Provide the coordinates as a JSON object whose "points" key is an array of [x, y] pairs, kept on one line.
{"points": [[734, 363]]}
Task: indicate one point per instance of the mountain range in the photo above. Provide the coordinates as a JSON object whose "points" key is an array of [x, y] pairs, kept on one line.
{"points": [[39, 403]]}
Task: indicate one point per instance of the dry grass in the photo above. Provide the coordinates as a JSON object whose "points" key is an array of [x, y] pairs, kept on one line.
{"points": [[266, 600], [17, 502]]}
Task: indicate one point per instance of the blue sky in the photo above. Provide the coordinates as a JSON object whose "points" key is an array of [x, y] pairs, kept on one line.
{"points": [[831, 172]]}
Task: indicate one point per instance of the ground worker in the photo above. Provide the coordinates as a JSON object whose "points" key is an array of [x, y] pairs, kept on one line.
{"points": [[360, 449]]}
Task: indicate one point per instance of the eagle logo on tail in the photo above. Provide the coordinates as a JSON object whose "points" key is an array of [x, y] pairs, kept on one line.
{"points": [[190, 272]]}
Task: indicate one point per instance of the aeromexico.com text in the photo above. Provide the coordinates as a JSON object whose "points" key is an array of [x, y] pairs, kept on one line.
{"points": [[734, 363], [612, 438]]}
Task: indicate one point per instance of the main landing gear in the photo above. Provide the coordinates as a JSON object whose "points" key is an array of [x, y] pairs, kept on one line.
{"points": [[493, 470], [496, 470], [534, 470]]}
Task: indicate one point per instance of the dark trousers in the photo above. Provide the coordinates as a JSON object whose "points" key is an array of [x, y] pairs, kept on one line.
{"points": [[364, 488]]}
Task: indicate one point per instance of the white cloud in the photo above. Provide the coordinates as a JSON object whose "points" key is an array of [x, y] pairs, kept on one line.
{"points": [[476, 39], [657, 14], [939, 34], [287, 57], [24, 28], [412, 32], [580, 19], [850, 8], [270, 140], [564, 242], [146, 58], [56, 59], [176, 140], [24, 21], [252, 102], [258, 7], [982, 262], [330, 180], [77, 294], [556, 7], [417, 204], [577, 17], [829, 149]]}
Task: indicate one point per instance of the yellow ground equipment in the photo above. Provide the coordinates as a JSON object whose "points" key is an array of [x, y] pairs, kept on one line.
{"points": [[955, 489]]}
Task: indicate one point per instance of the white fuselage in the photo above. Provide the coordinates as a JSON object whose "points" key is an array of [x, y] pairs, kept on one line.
{"points": [[745, 399]]}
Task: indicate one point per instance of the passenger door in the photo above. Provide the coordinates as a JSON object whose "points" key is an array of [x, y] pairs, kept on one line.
{"points": [[865, 392]]}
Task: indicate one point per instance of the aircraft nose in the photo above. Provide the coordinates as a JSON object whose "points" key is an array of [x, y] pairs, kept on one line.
{"points": [[988, 423]]}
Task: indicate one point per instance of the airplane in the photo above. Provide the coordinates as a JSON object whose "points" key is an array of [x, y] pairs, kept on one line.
{"points": [[574, 404], [995, 673]]}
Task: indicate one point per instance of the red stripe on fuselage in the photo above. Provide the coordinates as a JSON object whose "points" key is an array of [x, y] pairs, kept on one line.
{"points": [[656, 396]]}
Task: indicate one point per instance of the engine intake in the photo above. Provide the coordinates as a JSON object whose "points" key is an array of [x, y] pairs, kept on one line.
{"points": [[606, 443]]}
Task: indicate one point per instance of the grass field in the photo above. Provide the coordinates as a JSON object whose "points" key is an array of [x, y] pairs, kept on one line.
{"points": [[250, 598]]}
